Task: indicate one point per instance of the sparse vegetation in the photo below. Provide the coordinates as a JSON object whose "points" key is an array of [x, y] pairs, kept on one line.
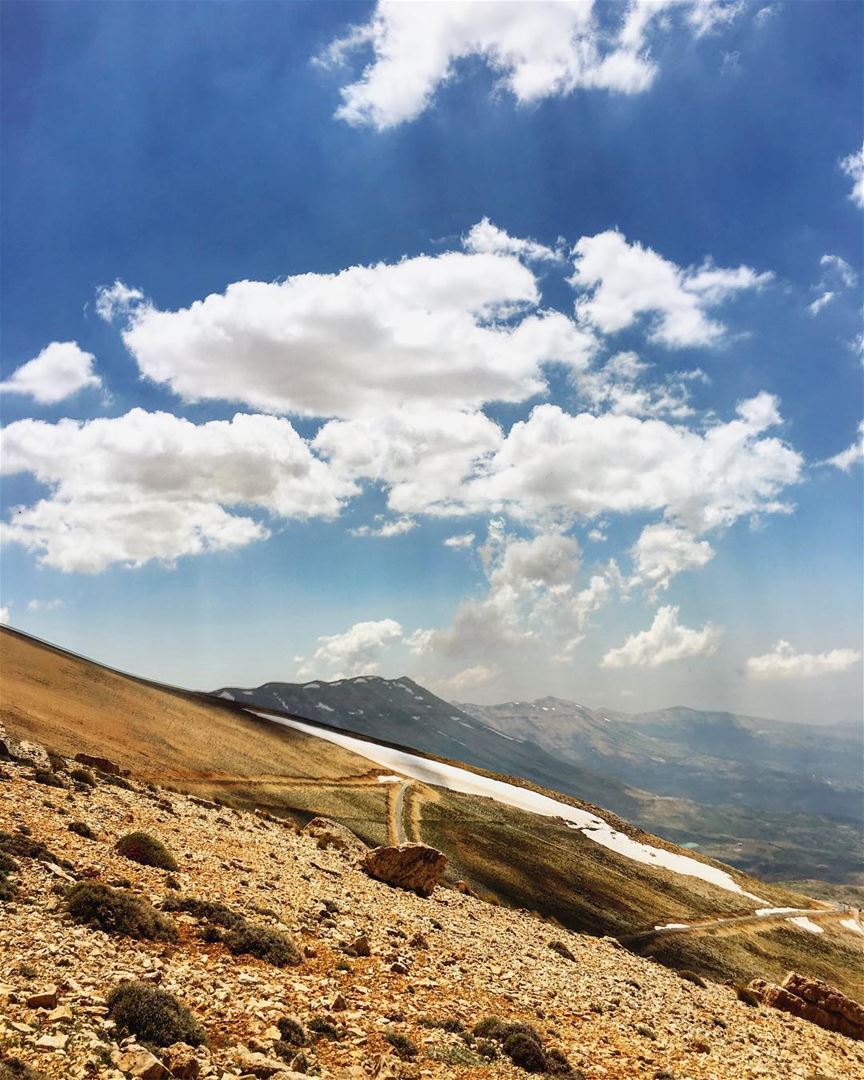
{"points": [[143, 848], [525, 1052], [118, 912], [291, 1031], [83, 776], [153, 1016], [116, 781], [13, 1068], [523, 1044], [320, 1025], [273, 946], [404, 1047], [81, 828], [208, 910], [47, 777]]}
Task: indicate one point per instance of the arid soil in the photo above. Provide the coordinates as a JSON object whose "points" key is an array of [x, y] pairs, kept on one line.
{"points": [[613, 1014]]}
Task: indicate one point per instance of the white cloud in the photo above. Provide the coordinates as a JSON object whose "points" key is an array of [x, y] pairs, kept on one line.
{"points": [[118, 299], [783, 662], [487, 239], [4, 616], [820, 302], [852, 455], [357, 651], [154, 486], [539, 49], [664, 550], [555, 462], [460, 540], [384, 528], [45, 605], [835, 264], [450, 331], [421, 457], [467, 679], [61, 369], [619, 282], [853, 166], [616, 388], [664, 641]]}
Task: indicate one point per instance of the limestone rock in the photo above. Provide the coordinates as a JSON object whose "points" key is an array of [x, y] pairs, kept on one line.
{"points": [[181, 1061], [817, 1002], [415, 867], [45, 999], [141, 1063], [330, 834]]}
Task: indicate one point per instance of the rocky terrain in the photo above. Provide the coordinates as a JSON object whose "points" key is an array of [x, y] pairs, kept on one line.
{"points": [[377, 981]]}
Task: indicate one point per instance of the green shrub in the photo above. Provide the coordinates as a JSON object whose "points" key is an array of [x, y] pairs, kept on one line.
{"points": [[143, 848], [404, 1047], [525, 1052], [272, 946], [81, 828], [487, 1027], [210, 910], [83, 776], [153, 1016], [320, 1025], [118, 912], [116, 781], [21, 845], [13, 1068], [46, 777], [449, 1023], [291, 1031], [556, 1063], [487, 1049]]}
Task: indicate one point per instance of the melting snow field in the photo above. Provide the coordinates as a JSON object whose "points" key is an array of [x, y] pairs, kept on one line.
{"points": [[807, 924], [453, 778]]}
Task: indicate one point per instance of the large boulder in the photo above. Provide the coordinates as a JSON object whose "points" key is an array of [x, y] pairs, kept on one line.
{"points": [[415, 867], [816, 1001], [100, 763]]}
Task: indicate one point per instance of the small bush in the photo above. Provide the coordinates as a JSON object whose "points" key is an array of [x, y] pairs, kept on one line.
{"points": [[116, 781], [291, 1031], [557, 1064], [272, 946], [320, 1025], [21, 845], [153, 1016], [81, 828], [404, 1047], [210, 910], [8, 889], [525, 1052], [7, 863], [449, 1023], [13, 1068], [143, 848], [118, 912], [693, 977], [486, 1048], [46, 777], [487, 1027], [83, 776]]}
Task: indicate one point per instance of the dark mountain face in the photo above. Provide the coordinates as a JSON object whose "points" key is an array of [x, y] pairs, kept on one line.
{"points": [[403, 712]]}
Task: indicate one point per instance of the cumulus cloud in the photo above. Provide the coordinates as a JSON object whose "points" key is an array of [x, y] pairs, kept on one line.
{"points": [[619, 387], [60, 370], [836, 265], [820, 302], [537, 50], [783, 662], [421, 457], [589, 465], [664, 641], [467, 679], [664, 550], [451, 331], [853, 166], [113, 301], [460, 540], [357, 651], [384, 528], [154, 486], [487, 239], [4, 616], [852, 455], [53, 604], [620, 282]]}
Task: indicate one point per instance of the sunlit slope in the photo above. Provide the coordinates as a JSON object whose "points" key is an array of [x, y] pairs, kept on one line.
{"points": [[507, 854]]}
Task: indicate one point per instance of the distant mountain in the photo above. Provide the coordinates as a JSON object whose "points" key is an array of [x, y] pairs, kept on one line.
{"points": [[403, 712], [770, 795], [730, 786]]}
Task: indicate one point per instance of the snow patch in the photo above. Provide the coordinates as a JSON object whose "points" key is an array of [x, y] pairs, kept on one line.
{"points": [[226, 695], [594, 828], [673, 926], [321, 705], [775, 910], [807, 924], [853, 925]]}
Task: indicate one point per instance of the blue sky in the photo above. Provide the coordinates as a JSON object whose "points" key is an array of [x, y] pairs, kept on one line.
{"points": [[182, 148]]}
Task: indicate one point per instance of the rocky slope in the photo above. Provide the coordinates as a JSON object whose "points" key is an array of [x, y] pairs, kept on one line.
{"points": [[435, 967]]}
